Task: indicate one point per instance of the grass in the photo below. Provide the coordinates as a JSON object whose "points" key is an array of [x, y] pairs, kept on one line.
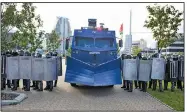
{"points": [[173, 99]]}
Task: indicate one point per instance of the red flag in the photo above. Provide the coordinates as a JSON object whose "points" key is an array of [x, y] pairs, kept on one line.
{"points": [[121, 29]]}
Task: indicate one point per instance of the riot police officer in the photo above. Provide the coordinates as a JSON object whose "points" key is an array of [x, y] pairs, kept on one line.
{"points": [[26, 82], [38, 83], [129, 83], [138, 83], [15, 81], [124, 82], [3, 74], [49, 84], [144, 83], [167, 73], [181, 73], [55, 83], [33, 82], [154, 81], [9, 54]]}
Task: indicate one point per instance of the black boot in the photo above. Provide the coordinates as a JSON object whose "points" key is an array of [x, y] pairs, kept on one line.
{"points": [[172, 86], [9, 83], [165, 85], [145, 87], [47, 86], [40, 86], [154, 85], [50, 85], [130, 86], [160, 86], [127, 85], [17, 83], [27, 85], [136, 84], [36, 85], [150, 84], [55, 83], [140, 84]]}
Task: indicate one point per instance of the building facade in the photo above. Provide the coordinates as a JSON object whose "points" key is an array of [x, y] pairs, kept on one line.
{"points": [[142, 44], [176, 47], [63, 29]]}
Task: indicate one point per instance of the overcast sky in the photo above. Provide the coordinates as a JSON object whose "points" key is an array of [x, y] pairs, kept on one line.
{"points": [[111, 14]]}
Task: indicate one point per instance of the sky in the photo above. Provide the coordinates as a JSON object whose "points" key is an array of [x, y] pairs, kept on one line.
{"points": [[111, 14]]}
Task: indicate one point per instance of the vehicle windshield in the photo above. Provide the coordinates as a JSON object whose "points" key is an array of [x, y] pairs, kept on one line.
{"points": [[87, 42], [84, 42], [104, 42]]}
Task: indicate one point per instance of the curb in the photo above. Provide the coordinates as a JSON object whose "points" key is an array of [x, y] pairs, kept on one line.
{"points": [[161, 102], [18, 99]]}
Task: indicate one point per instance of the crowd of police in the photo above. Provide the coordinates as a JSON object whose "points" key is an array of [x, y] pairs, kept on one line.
{"points": [[14, 84], [174, 73]]}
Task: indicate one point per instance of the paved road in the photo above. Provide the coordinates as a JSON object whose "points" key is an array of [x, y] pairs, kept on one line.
{"points": [[65, 97]]}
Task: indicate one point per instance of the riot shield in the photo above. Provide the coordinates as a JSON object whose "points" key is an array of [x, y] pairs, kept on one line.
{"points": [[37, 69], [181, 70], [59, 66], [12, 68], [25, 67], [130, 69], [158, 69], [50, 67], [145, 70]]}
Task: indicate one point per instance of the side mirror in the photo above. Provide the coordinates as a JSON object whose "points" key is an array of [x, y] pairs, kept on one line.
{"points": [[120, 43], [67, 44]]}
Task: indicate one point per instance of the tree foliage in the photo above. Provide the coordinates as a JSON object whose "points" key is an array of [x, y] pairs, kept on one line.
{"points": [[164, 22], [25, 22], [136, 50], [53, 41]]}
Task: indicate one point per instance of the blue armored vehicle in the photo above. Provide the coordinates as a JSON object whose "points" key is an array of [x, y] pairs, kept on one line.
{"points": [[93, 59]]}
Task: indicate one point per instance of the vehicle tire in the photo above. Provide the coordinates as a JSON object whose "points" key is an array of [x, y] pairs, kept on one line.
{"points": [[111, 86], [73, 85]]}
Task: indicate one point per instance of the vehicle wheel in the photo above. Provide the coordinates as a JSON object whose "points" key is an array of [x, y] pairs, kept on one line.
{"points": [[73, 85], [111, 86]]}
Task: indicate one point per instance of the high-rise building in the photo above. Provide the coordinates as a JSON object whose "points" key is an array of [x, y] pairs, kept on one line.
{"points": [[143, 44], [63, 29]]}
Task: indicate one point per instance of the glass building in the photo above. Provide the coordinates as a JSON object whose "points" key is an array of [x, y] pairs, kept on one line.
{"points": [[63, 29]]}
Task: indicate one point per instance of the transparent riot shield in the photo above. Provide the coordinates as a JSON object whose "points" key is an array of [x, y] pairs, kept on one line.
{"points": [[158, 69], [50, 66], [145, 70], [12, 68], [25, 63], [37, 69], [130, 69]]}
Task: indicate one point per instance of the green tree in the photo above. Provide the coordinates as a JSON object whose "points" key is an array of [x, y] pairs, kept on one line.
{"points": [[164, 22], [25, 22], [8, 22], [135, 50], [53, 42], [27, 33]]}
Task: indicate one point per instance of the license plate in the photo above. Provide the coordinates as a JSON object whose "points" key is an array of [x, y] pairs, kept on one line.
{"points": [[94, 52]]}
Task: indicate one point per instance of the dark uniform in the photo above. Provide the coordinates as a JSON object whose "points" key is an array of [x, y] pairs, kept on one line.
{"points": [[9, 83], [49, 84], [33, 82], [138, 83], [3, 68], [167, 79], [181, 73]]}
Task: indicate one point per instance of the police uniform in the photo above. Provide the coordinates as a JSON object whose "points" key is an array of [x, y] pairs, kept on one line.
{"points": [[55, 83], [124, 82], [3, 74], [9, 83], [144, 83]]}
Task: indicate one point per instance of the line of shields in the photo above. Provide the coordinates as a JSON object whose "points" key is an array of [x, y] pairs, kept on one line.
{"points": [[153, 70], [28, 67]]}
